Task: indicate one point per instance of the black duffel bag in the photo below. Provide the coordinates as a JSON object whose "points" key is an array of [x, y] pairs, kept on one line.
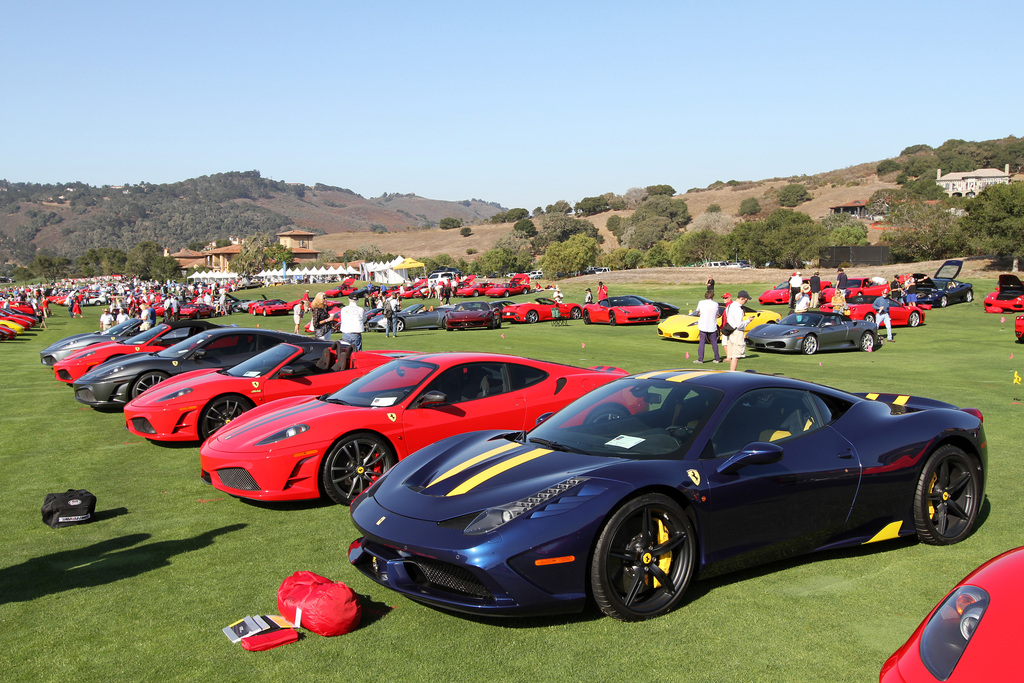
{"points": [[74, 506]]}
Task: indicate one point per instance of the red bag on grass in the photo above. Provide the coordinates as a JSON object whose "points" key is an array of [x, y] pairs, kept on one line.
{"points": [[316, 603]]}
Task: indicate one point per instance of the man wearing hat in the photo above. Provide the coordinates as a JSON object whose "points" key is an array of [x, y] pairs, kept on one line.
{"points": [[352, 319], [736, 343]]}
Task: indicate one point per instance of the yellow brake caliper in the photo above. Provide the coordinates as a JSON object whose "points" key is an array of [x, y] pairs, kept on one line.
{"points": [[665, 561], [931, 489]]}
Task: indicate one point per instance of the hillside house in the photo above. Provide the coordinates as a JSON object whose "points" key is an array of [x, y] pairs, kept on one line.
{"points": [[858, 208], [970, 183]]}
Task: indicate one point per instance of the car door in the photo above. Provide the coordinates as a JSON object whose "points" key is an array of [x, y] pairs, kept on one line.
{"points": [[479, 397], [787, 506]]}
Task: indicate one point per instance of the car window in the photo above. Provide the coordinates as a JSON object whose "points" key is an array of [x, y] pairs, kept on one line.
{"points": [[768, 415], [522, 376], [386, 385], [470, 381], [262, 363]]}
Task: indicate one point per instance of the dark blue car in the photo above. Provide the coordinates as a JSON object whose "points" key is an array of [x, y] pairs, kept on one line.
{"points": [[637, 488], [943, 288]]}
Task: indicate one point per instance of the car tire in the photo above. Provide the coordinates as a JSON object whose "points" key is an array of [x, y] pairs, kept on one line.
{"points": [[948, 497], [586, 317], [400, 325], [576, 313], [611, 318], [147, 380], [644, 558], [869, 318], [353, 463], [944, 301], [505, 294], [867, 342], [809, 346], [475, 293], [220, 411], [532, 316], [969, 297], [914, 319]]}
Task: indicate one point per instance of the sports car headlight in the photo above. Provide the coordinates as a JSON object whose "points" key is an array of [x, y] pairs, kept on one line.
{"points": [[790, 333], [87, 354], [176, 394], [107, 372], [492, 518], [947, 633], [294, 430]]}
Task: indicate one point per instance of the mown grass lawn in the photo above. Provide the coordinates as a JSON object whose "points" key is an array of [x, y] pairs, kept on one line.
{"points": [[143, 592]]}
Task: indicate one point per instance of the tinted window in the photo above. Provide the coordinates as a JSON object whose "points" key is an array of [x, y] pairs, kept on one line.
{"points": [[385, 386], [262, 363], [522, 376], [470, 382], [767, 415]]}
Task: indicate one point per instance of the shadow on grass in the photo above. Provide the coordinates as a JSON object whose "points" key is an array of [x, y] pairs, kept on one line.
{"points": [[97, 564], [286, 506]]}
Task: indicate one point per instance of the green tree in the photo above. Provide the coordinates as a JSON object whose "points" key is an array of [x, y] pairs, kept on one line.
{"points": [[615, 226], [575, 254], [887, 166], [664, 190], [525, 227], [50, 267], [750, 207], [671, 208], [698, 246], [146, 260], [500, 217], [466, 232], [793, 194], [561, 207], [278, 254], [658, 255], [252, 257], [714, 208], [647, 233], [451, 223], [513, 215], [997, 217], [588, 206], [559, 228]]}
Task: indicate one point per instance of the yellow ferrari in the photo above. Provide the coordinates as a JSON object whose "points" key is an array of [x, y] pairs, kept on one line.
{"points": [[684, 327], [11, 325]]}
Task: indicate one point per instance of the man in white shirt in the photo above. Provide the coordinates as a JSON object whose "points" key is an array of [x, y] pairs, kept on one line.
{"points": [[707, 324], [736, 345], [794, 289], [351, 321]]}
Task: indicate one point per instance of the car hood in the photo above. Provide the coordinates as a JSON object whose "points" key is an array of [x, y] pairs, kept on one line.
{"points": [[471, 472], [77, 340], [257, 424], [197, 380], [130, 364], [949, 270], [775, 329], [1008, 281]]}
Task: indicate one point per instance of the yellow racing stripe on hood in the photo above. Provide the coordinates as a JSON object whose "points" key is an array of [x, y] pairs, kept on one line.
{"points": [[901, 400], [474, 460], [495, 470], [689, 374]]}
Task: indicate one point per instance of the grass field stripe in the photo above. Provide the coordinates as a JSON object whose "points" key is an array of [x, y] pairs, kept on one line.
{"points": [[871, 397], [474, 460], [495, 470], [901, 400], [890, 531]]}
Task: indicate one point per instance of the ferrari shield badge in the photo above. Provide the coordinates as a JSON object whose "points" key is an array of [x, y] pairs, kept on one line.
{"points": [[256, 384], [174, 363], [392, 416], [694, 476], [137, 348]]}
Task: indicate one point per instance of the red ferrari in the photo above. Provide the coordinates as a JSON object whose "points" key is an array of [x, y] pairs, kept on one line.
{"points": [[469, 314], [474, 288], [541, 309], [192, 406], [301, 448], [972, 635], [344, 289], [1008, 297], [857, 286], [520, 284], [860, 308], [156, 338], [272, 306], [779, 295], [621, 310]]}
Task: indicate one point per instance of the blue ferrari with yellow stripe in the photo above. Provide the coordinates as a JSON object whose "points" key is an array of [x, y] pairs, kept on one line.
{"points": [[630, 493]]}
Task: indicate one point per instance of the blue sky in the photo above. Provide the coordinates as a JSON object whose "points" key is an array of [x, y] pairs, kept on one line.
{"points": [[517, 103]]}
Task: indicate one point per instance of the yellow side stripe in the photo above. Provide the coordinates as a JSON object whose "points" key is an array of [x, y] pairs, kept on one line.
{"points": [[688, 375], [651, 375], [474, 460], [890, 531], [901, 400], [871, 397], [495, 470]]}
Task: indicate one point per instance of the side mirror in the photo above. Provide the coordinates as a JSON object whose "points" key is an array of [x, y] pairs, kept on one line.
{"points": [[432, 398], [200, 353], [542, 418], [756, 453], [288, 371]]}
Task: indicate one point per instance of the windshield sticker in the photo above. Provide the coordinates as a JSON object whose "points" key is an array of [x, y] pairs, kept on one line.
{"points": [[624, 441], [383, 401], [252, 373]]}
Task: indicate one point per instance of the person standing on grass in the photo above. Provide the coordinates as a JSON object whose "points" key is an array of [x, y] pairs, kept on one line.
{"points": [[352, 319], [707, 326], [736, 345], [794, 289], [602, 292], [710, 285], [322, 322], [297, 315], [881, 305], [815, 282]]}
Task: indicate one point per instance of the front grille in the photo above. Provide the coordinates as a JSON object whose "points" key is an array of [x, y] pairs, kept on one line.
{"points": [[446, 577], [64, 374], [237, 478], [85, 395], [141, 424]]}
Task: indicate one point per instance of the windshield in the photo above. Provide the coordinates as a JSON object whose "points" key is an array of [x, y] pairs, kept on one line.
{"points": [[632, 418], [263, 363], [387, 385], [143, 337], [184, 346], [802, 319], [624, 301], [123, 328]]}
